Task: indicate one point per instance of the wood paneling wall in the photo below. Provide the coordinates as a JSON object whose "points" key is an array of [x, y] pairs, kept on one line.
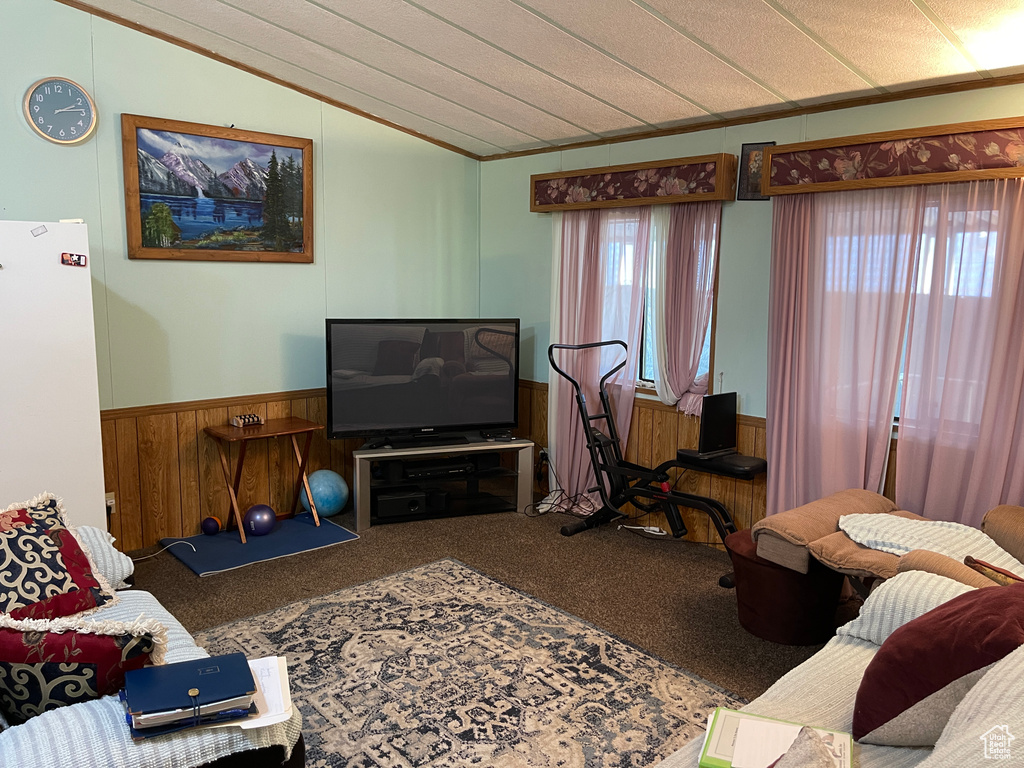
{"points": [[657, 431], [166, 477]]}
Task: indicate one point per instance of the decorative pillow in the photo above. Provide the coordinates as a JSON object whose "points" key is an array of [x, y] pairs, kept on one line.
{"points": [[44, 572], [919, 675], [396, 357], [49, 663], [998, 575], [987, 721], [898, 601], [107, 562]]}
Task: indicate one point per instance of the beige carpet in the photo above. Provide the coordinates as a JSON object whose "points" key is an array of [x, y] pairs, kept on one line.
{"points": [[441, 665]]}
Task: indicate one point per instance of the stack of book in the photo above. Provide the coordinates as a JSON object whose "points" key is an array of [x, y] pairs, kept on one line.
{"points": [[743, 740], [188, 694]]}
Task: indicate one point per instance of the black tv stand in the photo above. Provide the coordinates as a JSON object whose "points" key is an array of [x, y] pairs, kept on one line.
{"points": [[438, 481]]}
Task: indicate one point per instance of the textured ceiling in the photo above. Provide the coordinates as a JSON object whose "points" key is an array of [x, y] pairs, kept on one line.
{"points": [[490, 77]]}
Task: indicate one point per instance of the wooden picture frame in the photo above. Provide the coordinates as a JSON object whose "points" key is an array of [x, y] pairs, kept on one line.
{"points": [[750, 171], [197, 192]]}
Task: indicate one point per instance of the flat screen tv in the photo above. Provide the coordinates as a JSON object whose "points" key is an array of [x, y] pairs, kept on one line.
{"points": [[432, 379]]}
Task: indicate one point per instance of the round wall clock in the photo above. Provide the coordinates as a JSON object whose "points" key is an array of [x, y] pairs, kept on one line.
{"points": [[60, 111]]}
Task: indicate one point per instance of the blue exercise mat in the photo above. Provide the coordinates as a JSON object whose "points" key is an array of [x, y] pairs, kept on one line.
{"points": [[225, 550]]}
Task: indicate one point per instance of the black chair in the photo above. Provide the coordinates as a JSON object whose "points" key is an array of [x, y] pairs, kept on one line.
{"points": [[620, 482]]}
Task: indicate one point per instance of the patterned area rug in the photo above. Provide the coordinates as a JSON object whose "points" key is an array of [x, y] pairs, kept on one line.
{"points": [[442, 666]]}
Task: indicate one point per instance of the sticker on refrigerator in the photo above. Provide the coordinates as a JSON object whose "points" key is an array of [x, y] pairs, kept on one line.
{"points": [[73, 259]]}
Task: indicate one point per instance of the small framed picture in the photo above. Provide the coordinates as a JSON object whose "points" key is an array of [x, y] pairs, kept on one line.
{"points": [[751, 166], [73, 259]]}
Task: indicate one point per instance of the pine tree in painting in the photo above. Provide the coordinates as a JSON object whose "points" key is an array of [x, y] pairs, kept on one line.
{"points": [[276, 232]]}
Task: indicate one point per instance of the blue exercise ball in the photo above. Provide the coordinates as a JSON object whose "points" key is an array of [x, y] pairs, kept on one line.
{"points": [[259, 520], [330, 493], [211, 525]]}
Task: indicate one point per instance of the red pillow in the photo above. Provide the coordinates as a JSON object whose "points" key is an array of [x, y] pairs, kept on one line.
{"points": [[923, 670], [45, 664]]}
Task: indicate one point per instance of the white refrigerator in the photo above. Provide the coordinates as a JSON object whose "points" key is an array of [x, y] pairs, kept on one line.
{"points": [[49, 394]]}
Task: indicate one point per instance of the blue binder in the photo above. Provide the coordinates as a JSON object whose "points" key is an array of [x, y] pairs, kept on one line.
{"points": [[195, 685]]}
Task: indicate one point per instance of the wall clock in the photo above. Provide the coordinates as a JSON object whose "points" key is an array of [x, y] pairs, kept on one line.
{"points": [[60, 110]]}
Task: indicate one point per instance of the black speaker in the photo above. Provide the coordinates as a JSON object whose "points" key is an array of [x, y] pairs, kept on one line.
{"points": [[401, 503]]}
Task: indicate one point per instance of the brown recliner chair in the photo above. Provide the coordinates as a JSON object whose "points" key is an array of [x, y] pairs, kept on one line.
{"points": [[791, 567]]}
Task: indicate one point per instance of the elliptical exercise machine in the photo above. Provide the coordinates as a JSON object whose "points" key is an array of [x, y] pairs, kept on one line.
{"points": [[620, 482]]}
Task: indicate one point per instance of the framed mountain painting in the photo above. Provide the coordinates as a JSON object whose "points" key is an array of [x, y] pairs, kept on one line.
{"points": [[206, 193]]}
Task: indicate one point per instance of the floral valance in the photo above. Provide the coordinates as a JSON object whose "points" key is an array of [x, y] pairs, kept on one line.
{"points": [[681, 180], [939, 154]]}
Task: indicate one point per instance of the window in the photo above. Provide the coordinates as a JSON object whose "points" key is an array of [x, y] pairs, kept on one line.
{"points": [[619, 235]]}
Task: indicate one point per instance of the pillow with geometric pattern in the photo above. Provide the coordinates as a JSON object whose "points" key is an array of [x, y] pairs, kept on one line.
{"points": [[50, 663], [45, 571]]}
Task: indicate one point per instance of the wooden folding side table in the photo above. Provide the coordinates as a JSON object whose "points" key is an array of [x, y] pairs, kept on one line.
{"points": [[290, 426]]}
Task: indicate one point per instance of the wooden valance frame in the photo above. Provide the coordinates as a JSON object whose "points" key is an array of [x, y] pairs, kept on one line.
{"points": [[681, 180], [990, 149]]}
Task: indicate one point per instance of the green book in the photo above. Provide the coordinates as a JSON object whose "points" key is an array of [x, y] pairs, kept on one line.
{"points": [[724, 726]]}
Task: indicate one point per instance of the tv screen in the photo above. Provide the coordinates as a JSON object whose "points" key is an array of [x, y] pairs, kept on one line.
{"points": [[421, 377]]}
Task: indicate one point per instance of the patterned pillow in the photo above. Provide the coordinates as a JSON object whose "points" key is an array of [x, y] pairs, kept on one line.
{"points": [[50, 663], [44, 572]]}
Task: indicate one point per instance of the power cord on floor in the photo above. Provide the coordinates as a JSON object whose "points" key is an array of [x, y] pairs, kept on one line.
{"points": [[146, 557], [576, 505]]}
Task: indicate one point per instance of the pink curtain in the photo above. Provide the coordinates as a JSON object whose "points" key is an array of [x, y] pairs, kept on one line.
{"points": [[840, 288], [603, 261], [688, 285], [960, 449]]}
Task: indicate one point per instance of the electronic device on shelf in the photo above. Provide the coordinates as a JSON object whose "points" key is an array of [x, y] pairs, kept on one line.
{"points": [[432, 381], [717, 425], [429, 469]]}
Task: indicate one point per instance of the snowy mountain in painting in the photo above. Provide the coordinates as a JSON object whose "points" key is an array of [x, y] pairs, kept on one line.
{"points": [[196, 174], [156, 178], [246, 179]]}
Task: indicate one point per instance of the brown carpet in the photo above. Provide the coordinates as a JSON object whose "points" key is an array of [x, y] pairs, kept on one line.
{"points": [[662, 595]]}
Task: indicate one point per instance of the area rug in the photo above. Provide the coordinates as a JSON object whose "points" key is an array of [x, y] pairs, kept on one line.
{"points": [[442, 666], [207, 555]]}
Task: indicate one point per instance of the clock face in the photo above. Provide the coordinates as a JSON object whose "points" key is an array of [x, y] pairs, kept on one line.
{"points": [[60, 111]]}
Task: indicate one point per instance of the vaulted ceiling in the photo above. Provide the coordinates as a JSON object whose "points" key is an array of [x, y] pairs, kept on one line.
{"points": [[492, 77]]}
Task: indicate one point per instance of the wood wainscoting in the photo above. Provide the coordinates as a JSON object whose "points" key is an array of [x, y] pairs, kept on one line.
{"points": [[657, 431], [166, 477]]}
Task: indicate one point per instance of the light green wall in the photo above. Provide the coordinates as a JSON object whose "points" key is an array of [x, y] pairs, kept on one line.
{"points": [[513, 238], [402, 228], [395, 227]]}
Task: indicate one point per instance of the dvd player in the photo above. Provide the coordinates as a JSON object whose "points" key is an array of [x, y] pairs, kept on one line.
{"points": [[426, 470]]}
